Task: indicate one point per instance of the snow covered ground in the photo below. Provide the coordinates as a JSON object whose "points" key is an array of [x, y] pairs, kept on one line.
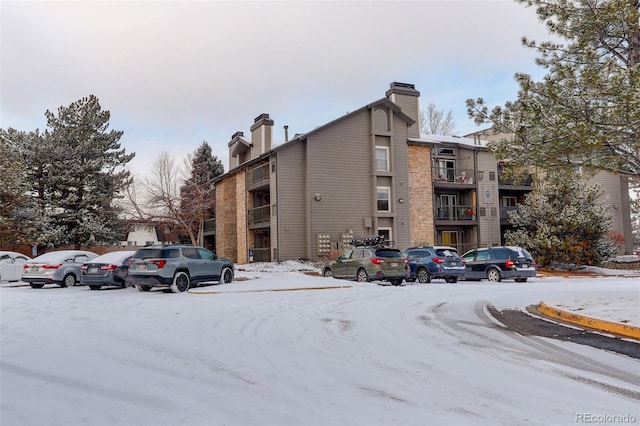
{"points": [[281, 346]]}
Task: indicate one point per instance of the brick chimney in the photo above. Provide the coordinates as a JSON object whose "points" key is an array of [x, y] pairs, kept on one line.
{"points": [[406, 97], [261, 132]]}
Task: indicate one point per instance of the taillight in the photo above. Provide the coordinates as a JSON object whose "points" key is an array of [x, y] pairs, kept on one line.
{"points": [[84, 267], [108, 267], [158, 262], [438, 260], [25, 266], [47, 266], [406, 261], [377, 260], [509, 263]]}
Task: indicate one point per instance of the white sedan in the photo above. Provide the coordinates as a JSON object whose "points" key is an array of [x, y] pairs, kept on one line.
{"points": [[11, 265]]}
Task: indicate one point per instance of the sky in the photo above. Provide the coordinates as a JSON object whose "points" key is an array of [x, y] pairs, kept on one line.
{"points": [[281, 347], [176, 73]]}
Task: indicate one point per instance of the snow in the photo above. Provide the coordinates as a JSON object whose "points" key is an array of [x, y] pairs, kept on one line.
{"points": [[284, 346]]}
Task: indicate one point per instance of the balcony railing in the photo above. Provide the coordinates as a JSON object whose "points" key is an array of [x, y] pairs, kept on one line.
{"points": [[521, 180], [456, 212], [262, 254], [258, 176], [259, 216], [453, 175], [504, 212]]}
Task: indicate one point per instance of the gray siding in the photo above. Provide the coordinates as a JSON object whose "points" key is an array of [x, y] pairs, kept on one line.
{"points": [[339, 161], [616, 198], [489, 225], [291, 203]]}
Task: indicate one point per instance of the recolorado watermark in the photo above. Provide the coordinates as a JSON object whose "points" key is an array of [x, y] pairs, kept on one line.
{"points": [[606, 418]]}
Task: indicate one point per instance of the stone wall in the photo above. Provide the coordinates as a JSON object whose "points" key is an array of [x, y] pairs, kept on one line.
{"points": [[420, 195]]}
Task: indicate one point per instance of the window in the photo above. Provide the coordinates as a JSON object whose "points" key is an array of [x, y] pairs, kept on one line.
{"points": [[447, 170], [450, 238], [382, 158], [508, 201], [380, 121], [386, 233], [446, 151], [383, 198]]}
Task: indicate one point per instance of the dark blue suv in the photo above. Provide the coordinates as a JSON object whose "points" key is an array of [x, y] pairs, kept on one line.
{"points": [[431, 262]]}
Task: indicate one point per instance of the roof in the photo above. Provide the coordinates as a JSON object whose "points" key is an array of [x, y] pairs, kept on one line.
{"points": [[459, 140]]}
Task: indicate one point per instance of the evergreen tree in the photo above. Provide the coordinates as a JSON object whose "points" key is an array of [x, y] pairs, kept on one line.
{"points": [[586, 110], [197, 194], [12, 190], [563, 221], [74, 172]]}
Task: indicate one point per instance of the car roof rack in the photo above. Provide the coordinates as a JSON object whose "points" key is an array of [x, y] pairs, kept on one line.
{"points": [[376, 241]]}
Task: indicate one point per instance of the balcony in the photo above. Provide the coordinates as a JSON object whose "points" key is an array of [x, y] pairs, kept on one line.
{"points": [[261, 254], [259, 217], [456, 213], [504, 213], [453, 177], [522, 180], [258, 177]]}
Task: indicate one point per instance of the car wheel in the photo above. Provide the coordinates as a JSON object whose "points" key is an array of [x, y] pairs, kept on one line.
{"points": [[396, 282], [36, 285], [423, 276], [68, 281], [494, 275], [520, 280], [327, 273], [451, 280], [180, 282], [362, 276], [143, 287], [226, 276], [95, 287]]}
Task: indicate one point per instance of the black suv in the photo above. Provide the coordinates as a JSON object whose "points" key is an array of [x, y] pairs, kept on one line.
{"points": [[496, 263], [177, 268]]}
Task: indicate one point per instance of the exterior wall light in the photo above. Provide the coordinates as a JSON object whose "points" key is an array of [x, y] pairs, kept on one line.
{"points": [[401, 200], [317, 196]]}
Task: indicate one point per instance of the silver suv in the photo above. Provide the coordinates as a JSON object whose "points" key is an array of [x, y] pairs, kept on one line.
{"points": [[177, 268]]}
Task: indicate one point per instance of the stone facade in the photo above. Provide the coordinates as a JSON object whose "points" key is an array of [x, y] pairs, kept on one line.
{"points": [[231, 217], [420, 195]]}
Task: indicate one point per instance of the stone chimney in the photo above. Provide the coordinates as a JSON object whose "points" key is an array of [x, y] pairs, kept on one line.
{"points": [[406, 97], [261, 135]]}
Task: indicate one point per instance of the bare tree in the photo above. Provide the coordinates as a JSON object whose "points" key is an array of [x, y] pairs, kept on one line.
{"points": [[435, 122]]}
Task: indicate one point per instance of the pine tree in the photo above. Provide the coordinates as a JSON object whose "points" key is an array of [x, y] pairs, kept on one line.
{"points": [[198, 194], [74, 172], [586, 110], [563, 221]]}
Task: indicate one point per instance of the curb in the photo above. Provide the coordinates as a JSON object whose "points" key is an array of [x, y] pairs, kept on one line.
{"points": [[619, 329]]}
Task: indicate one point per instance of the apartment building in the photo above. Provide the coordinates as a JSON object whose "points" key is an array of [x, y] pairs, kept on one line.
{"points": [[314, 193], [368, 172]]}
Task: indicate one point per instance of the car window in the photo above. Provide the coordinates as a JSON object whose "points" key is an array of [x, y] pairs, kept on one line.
{"points": [[446, 253], [171, 254], [206, 254], [483, 255], [520, 252], [501, 253], [469, 256], [357, 254], [81, 258], [191, 252], [388, 253]]}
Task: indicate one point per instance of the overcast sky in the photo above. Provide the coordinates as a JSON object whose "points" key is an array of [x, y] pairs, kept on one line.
{"points": [[175, 73]]}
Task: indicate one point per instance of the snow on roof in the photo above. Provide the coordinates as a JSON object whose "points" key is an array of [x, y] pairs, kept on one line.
{"points": [[451, 139]]}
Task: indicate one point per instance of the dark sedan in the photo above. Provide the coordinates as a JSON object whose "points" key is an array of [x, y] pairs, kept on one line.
{"points": [[110, 269]]}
